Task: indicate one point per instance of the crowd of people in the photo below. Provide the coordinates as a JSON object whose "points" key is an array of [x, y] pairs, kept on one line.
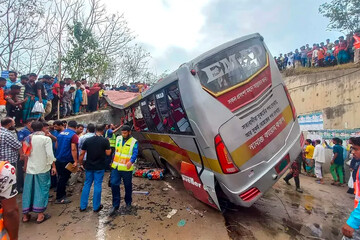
{"points": [[324, 54], [42, 156], [312, 161], [22, 98]]}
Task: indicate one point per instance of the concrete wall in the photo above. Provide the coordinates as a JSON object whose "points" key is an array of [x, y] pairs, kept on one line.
{"points": [[334, 93], [103, 116]]}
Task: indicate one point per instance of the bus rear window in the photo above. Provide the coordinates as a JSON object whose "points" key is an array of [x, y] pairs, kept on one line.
{"points": [[232, 65]]}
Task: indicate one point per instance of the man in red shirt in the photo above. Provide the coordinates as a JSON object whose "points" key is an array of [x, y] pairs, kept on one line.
{"points": [[2, 98], [55, 100], [357, 47]]}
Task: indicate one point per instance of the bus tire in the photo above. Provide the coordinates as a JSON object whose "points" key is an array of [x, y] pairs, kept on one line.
{"points": [[171, 169], [157, 158]]}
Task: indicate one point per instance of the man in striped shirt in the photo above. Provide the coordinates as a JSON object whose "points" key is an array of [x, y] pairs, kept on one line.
{"points": [[23, 81]]}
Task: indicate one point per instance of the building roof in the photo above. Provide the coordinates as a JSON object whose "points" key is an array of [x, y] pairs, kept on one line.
{"points": [[121, 99]]}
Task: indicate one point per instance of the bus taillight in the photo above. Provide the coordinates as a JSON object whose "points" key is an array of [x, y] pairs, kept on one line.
{"points": [[250, 194], [291, 102], [224, 157]]}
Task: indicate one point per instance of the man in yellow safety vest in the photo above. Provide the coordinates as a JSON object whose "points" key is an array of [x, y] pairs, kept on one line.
{"points": [[126, 150]]}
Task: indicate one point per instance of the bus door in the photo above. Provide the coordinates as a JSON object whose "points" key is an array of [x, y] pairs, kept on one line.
{"points": [[196, 178]]}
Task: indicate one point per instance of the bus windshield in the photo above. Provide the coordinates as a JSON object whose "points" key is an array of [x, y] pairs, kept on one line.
{"points": [[232, 66]]}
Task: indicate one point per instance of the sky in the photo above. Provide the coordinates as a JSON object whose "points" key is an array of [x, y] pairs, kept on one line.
{"points": [[176, 31]]}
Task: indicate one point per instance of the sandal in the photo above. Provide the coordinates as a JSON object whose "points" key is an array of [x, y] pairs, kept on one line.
{"points": [[28, 220], [62, 201], [46, 217]]}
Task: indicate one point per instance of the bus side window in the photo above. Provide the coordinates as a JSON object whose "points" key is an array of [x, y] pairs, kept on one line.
{"points": [[145, 110], [154, 114], [178, 116], [128, 118], [139, 122]]}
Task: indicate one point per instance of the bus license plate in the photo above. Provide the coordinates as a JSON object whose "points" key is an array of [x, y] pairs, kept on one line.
{"points": [[282, 164]]}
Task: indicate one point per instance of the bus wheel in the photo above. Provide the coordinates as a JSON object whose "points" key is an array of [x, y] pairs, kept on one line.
{"points": [[171, 169]]}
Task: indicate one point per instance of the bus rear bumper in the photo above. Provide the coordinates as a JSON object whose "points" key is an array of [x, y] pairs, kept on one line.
{"points": [[249, 193]]}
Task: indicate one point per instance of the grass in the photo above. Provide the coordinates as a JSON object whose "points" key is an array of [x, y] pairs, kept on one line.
{"points": [[306, 70]]}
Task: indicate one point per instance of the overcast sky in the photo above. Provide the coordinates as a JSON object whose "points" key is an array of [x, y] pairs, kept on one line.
{"points": [[176, 31]]}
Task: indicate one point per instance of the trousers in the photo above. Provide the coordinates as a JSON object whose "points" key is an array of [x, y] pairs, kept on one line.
{"points": [[296, 179], [318, 170], [115, 182], [337, 168], [63, 177], [96, 177]]}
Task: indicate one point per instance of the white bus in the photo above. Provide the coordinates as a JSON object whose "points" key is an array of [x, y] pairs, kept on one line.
{"points": [[224, 122]]}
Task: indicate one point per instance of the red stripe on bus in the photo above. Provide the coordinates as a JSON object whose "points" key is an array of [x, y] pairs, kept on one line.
{"points": [[167, 146], [247, 93], [264, 138]]}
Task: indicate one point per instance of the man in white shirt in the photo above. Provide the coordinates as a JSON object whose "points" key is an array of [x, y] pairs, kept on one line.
{"points": [[319, 157], [37, 180]]}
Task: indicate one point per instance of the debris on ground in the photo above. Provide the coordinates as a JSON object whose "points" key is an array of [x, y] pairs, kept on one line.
{"points": [[141, 192], [152, 174], [181, 223], [195, 212], [172, 213]]}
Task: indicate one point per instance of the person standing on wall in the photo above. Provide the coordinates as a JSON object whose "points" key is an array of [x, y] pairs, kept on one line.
{"points": [[126, 151]]}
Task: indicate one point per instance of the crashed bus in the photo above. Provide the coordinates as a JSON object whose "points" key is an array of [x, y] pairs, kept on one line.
{"points": [[223, 122]]}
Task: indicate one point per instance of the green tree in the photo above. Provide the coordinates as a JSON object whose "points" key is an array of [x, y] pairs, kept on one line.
{"points": [[344, 15], [84, 59]]}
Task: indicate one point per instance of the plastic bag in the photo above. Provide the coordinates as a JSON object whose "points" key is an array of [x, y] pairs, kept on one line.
{"points": [[351, 182], [38, 108]]}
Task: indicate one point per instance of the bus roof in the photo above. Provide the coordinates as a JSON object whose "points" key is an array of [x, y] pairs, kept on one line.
{"points": [[173, 77], [223, 46]]}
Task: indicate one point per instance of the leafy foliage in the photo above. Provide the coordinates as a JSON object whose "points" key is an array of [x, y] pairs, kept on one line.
{"points": [[85, 59], [344, 15]]}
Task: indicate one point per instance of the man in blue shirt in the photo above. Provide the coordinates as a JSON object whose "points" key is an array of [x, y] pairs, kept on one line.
{"points": [[22, 134], [351, 228], [48, 84], [13, 80], [66, 152], [56, 129]]}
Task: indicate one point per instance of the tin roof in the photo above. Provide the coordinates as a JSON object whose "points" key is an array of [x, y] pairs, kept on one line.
{"points": [[121, 99]]}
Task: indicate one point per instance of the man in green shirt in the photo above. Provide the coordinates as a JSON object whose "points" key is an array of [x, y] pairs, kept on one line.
{"points": [[337, 163]]}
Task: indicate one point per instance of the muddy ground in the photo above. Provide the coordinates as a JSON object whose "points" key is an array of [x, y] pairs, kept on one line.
{"points": [[282, 213]]}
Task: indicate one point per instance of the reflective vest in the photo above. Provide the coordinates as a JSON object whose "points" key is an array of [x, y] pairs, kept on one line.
{"points": [[112, 140], [123, 154], [3, 232], [357, 42], [357, 190]]}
